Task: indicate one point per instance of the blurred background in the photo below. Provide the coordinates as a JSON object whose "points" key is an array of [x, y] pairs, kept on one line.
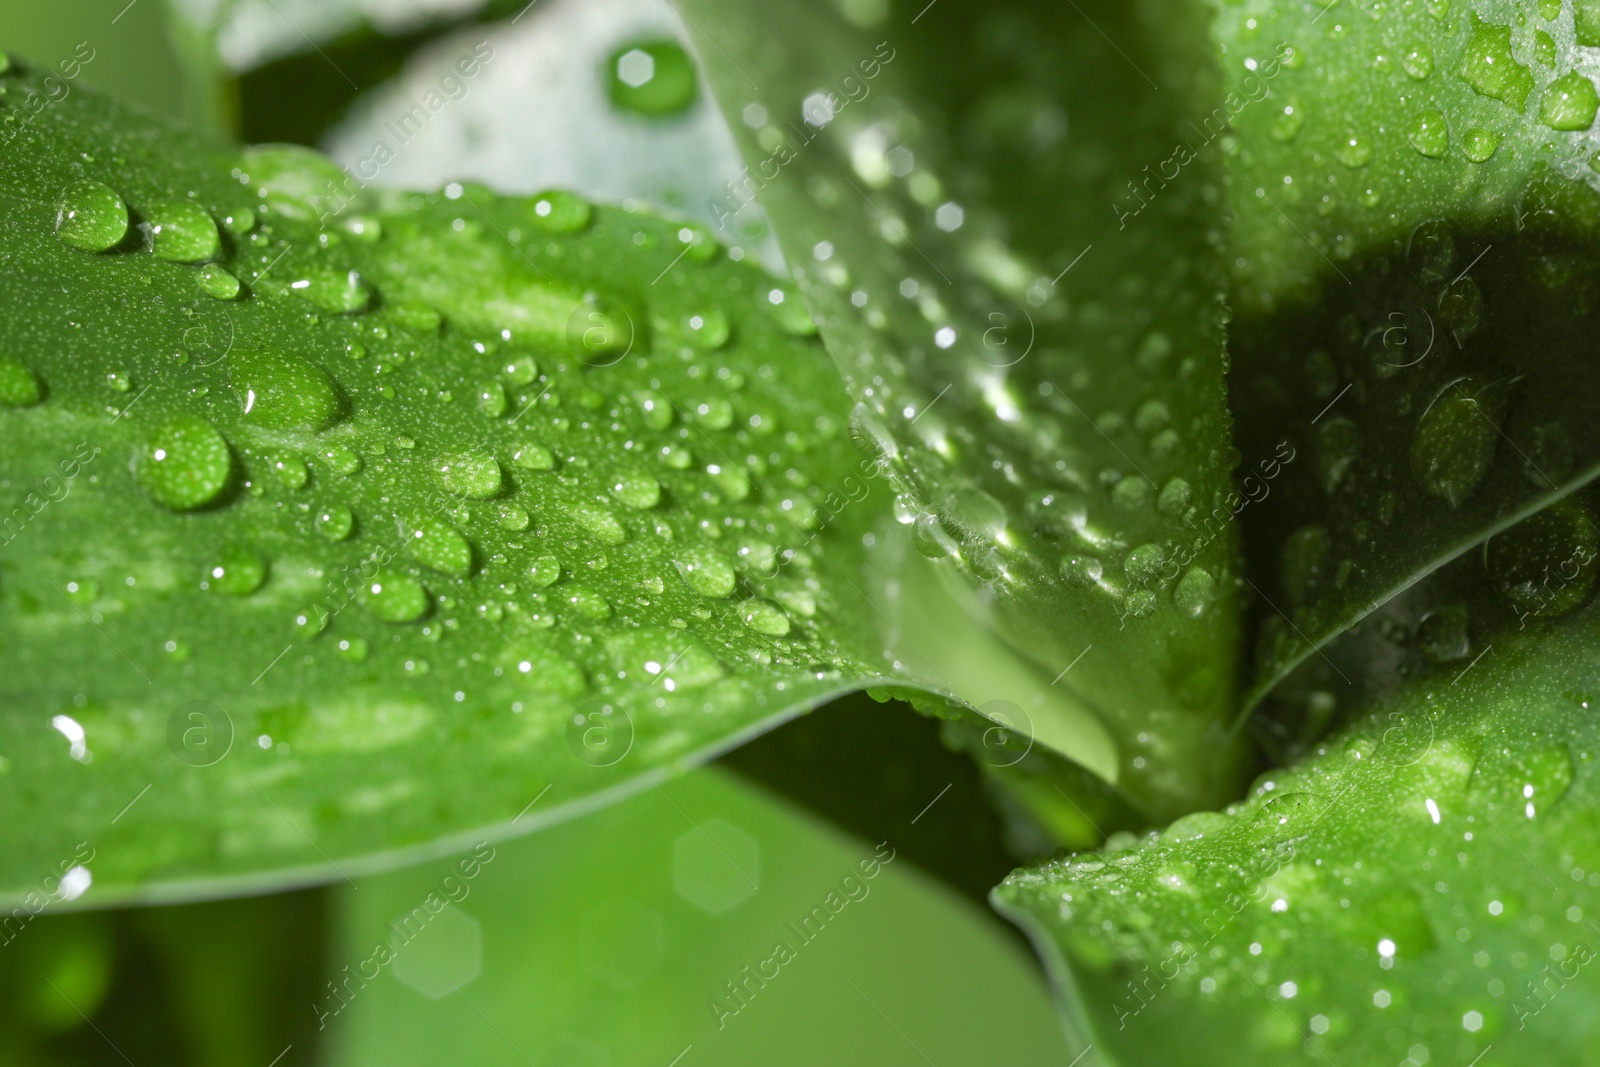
{"points": [[634, 936]]}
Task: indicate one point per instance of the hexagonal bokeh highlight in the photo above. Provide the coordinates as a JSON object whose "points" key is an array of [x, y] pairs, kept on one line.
{"points": [[635, 67], [441, 957], [716, 866]]}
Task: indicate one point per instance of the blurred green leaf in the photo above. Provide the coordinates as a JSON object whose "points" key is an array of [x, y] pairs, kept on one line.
{"points": [[613, 939]]}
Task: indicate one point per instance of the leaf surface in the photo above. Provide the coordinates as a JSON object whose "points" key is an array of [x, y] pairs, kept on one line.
{"points": [[365, 519], [1421, 880], [1412, 273], [1056, 425]]}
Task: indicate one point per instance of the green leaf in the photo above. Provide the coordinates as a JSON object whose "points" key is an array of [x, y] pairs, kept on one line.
{"points": [[1412, 300], [612, 939], [458, 501], [1056, 425], [1421, 880]]}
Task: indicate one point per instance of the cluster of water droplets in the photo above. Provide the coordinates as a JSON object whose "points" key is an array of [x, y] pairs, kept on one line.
{"points": [[615, 494]]}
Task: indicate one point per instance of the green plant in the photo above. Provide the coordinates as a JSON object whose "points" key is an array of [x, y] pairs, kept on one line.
{"points": [[1160, 396]]}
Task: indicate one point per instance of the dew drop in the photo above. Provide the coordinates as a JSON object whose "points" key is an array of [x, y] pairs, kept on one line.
{"points": [[184, 464], [706, 330], [1569, 103], [975, 514], [545, 571], [216, 281], [511, 517], [1417, 61], [1429, 135], [341, 461], [475, 476], [393, 597], [715, 413], [291, 471], [601, 524], [732, 482], [492, 399], [335, 522], [706, 572], [91, 216], [182, 231], [236, 572], [600, 332], [1454, 443], [587, 602], [1174, 497], [19, 386], [1546, 565], [1144, 562], [635, 489], [789, 313], [435, 543], [1081, 571], [1443, 636], [652, 78], [1353, 151], [1488, 66], [520, 371], [556, 211], [764, 617], [930, 538], [533, 458], [1194, 592], [284, 392], [338, 292]]}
